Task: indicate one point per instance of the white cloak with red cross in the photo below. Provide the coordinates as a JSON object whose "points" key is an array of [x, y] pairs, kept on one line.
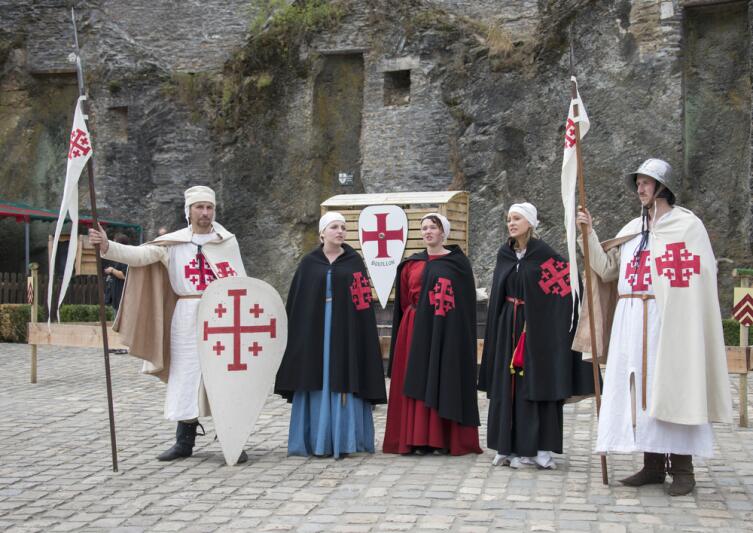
{"points": [[689, 382], [157, 318], [624, 426]]}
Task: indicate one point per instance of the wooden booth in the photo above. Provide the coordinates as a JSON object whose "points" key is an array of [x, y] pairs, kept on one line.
{"points": [[452, 204]]}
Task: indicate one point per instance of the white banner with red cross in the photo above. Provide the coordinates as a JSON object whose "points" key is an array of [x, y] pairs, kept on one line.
{"points": [[79, 152], [570, 181], [243, 331], [383, 232]]}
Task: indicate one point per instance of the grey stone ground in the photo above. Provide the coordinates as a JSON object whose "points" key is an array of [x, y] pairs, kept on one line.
{"points": [[55, 472]]}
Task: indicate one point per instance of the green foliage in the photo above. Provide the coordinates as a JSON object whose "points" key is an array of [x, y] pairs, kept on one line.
{"points": [[280, 28], [84, 313], [267, 9], [731, 332], [264, 80], [254, 79], [13, 320], [114, 86]]}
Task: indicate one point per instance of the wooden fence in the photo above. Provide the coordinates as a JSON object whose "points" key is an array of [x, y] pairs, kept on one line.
{"points": [[82, 289]]}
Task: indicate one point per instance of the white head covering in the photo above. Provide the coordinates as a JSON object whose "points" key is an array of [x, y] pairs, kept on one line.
{"points": [[198, 193], [528, 210], [443, 220], [328, 218]]}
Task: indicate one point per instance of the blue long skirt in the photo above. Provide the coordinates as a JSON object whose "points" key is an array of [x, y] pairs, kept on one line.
{"points": [[329, 423]]}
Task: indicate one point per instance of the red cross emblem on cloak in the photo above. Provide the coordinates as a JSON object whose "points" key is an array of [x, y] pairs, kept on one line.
{"points": [[224, 270], [197, 271], [555, 277], [79, 146], [237, 330], [638, 272], [382, 235], [360, 291], [442, 297], [678, 264]]}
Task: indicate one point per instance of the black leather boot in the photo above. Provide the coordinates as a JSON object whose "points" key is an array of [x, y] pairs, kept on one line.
{"points": [[185, 437], [653, 471], [683, 478]]}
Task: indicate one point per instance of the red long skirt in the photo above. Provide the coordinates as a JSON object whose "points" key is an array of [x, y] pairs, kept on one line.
{"points": [[409, 422]]}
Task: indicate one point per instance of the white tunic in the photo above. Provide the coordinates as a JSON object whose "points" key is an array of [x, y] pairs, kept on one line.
{"points": [[616, 431], [187, 278]]}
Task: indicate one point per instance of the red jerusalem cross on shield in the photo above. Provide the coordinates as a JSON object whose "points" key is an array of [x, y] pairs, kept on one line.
{"points": [[382, 235], [442, 297], [235, 314], [237, 329], [638, 272], [555, 277], [678, 264], [360, 291]]}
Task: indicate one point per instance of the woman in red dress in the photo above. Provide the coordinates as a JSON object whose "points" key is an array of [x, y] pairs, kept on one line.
{"points": [[432, 402]]}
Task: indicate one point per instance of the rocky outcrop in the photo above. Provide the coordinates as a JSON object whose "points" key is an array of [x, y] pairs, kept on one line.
{"points": [[404, 95]]}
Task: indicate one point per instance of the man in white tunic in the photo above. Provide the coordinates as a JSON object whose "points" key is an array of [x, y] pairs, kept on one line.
{"points": [[666, 377], [158, 313]]}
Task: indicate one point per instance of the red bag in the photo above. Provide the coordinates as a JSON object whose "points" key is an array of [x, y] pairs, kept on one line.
{"points": [[517, 356]]}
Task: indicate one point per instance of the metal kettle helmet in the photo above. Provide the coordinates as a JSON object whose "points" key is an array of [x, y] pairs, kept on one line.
{"points": [[658, 169]]}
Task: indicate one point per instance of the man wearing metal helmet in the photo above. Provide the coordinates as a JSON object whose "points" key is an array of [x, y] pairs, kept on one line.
{"points": [[157, 319], [655, 299]]}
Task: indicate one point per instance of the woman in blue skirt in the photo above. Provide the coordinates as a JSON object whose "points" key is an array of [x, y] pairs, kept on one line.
{"points": [[332, 368]]}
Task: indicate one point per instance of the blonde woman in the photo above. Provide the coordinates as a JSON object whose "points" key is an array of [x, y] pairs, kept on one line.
{"points": [[528, 369]]}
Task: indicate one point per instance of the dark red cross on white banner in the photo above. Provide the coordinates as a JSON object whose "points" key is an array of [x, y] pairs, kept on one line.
{"points": [[237, 330], [79, 146], [678, 264], [382, 235], [569, 133]]}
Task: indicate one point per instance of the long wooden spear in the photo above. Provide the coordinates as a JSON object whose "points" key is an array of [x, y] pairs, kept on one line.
{"points": [[100, 277], [587, 261]]}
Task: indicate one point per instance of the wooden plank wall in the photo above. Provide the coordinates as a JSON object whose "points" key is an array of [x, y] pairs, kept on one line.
{"points": [[456, 212], [82, 289]]}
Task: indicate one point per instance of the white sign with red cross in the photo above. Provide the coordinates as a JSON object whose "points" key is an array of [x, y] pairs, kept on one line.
{"points": [[383, 232], [243, 331]]}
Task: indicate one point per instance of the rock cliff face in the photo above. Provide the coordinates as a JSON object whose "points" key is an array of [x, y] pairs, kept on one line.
{"points": [[403, 95]]}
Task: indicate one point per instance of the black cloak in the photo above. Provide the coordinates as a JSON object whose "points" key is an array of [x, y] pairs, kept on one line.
{"points": [[441, 367], [355, 355], [552, 371]]}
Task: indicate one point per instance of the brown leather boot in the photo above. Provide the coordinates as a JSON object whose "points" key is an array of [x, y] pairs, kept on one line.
{"points": [[653, 471], [681, 470]]}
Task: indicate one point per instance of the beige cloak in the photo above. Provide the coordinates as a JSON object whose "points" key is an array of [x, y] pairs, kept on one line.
{"points": [[148, 302], [690, 384]]}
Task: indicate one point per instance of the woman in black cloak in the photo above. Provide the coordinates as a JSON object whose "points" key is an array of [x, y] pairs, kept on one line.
{"points": [[528, 369]]}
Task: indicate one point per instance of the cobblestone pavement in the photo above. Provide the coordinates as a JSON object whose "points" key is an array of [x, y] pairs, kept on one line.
{"points": [[55, 471]]}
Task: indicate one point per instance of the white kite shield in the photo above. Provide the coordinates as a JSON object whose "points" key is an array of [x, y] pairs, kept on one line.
{"points": [[242, 334], [383, 232]]}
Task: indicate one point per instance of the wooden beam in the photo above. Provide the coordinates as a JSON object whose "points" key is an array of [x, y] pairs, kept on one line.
{"points": [[74, 334]]}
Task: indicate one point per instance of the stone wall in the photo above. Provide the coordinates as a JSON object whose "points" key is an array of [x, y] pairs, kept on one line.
{"points": [[176, 100]]}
